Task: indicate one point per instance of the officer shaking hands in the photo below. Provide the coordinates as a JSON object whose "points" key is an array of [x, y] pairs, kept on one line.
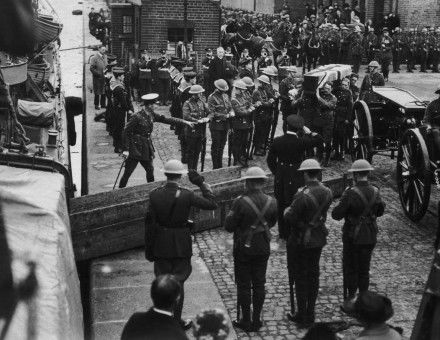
{"points": [[359, 206], [306, 218], [250, 219], [167, 229]]}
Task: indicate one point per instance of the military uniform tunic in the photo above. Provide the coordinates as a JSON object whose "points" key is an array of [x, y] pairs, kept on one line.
{"points": [[357, 252], [263, 118], [241, 125]]}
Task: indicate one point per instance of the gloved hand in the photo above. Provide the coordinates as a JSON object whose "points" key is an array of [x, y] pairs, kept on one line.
{"points": [[195, 178]]}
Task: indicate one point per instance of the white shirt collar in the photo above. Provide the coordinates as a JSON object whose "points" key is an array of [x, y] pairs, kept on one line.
{"points": [[292, 133], [161, 311]]}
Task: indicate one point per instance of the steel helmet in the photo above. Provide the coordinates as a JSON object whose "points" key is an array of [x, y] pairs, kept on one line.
{"points": [[373, 63], [264, 79], [248, 81], [310, 164], [175, 167], [221, 84], [361, 165], [196, 89], [254, 172], [239, 84], [271, 71]]}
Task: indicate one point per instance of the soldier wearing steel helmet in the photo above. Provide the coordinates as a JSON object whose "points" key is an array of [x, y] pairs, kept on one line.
{"points": [[250, 219], [359, 206], [220, 111], [195, 110], [373, 78], [168, 232], [306, 218], [241, 123], [138, 146]]}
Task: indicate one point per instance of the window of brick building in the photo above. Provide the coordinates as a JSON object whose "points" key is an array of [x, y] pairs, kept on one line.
{"points": [[127, 24], [176, 34]]}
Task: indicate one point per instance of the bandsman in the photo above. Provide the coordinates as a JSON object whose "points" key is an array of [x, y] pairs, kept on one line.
{"points": [[359, 206], [220, 109], [195, 110], [242, 122]]}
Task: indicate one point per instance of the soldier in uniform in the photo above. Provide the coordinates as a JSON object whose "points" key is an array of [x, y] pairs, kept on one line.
{"points": [[263, 100], [285, 155], [356, 49], [246, 68], [411, 53], [164, 83], [242, 122], [167, 230], [286, 85], [372, 78], [220, 109], [370, 44], [138, 147], [305, 218], [334, 43], [121, 106], [345, 43], [250, 219], [436, 51], [323, 122], [432, 122], [386, 56], [397, 50], [423, 49], [353, 87], [359, 206], [343, 118], [195, 110]]}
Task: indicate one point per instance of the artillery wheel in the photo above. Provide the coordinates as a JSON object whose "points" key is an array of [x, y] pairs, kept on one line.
{"points": [[361, 145], [413, 174]]}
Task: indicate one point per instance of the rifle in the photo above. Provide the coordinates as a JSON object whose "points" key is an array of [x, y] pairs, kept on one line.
{"points": [[119, 173], [203, 154], [250, 144]]}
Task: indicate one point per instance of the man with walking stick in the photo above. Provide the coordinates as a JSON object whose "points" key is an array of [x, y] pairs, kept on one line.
{"points": [[250, 219]]}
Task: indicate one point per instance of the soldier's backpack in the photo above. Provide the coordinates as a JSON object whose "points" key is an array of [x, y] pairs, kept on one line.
{"points": [[365, 229]]}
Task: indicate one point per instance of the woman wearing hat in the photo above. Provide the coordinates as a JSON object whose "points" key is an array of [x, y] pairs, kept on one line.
{"points": [[373, 310], [195, 110], [138, 146]]}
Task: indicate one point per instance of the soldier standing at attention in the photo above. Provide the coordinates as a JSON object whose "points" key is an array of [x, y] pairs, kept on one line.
{"points": [[167, 230], [305, 219], [138, 145], [359, 206], [356, 49], [250, 219], [386, 54], [241, 123], [195, 110], [397, 49], [220, 109], [285, 155]]}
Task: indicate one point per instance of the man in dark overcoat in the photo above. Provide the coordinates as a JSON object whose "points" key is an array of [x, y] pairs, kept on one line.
{"points": [[98, 64]]}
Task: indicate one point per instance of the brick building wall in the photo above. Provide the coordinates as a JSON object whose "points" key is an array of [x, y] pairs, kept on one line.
{"points": [[119, 39], [419, 13], [157, 16]]}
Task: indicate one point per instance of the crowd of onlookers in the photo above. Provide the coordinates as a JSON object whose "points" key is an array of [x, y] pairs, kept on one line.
{"points": [[372, 311]]}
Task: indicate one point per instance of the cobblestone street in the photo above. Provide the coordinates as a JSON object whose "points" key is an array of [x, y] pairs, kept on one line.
{"points": [[400, 266]]}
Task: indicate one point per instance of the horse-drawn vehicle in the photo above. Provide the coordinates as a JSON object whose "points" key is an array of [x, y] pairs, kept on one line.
{"points": [[390, 123]]}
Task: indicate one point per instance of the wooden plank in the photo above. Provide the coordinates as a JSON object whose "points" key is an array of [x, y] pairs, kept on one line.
{"points": [[119, 225]]}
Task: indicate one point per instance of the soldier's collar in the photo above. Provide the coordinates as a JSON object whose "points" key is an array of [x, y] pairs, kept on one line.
{"points": [[313, 182]]}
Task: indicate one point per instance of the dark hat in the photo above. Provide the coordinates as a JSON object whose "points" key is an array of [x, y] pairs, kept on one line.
{"points": [[354, 75], [111, 57], [245, 61], [372, 307], [295, 121], [118, 70]]}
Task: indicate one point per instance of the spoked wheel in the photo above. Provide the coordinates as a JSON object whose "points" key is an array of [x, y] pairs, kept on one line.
{"points": [[362, 142], [413, 174]]}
